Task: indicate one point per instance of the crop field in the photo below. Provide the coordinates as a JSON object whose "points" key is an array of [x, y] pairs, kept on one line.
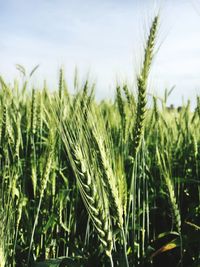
{"points": [[97, 184]]}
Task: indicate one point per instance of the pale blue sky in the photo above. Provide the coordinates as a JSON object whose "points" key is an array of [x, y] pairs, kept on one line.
{"points": [[104, 38]]}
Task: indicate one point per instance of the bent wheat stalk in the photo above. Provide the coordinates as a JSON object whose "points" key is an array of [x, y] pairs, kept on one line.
{"points": [[75, 136]]}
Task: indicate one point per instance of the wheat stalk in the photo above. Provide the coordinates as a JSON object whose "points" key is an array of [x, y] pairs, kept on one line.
{"points": [[92, 201], [171, 192], [142, 86]]}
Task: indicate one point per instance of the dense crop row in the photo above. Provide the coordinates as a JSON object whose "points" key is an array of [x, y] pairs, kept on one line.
{"points": [[100, 184]]}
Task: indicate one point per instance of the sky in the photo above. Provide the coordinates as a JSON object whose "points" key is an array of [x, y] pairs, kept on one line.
{"points": [[105, 41]]}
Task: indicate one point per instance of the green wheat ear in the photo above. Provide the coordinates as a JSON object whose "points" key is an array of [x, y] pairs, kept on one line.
{"points": [[142, 86], [175, 212], [61, 81], [33, 113], [120, 104]]}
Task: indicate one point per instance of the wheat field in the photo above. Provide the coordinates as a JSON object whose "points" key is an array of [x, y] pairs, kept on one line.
{"points": [[89, 183]]}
